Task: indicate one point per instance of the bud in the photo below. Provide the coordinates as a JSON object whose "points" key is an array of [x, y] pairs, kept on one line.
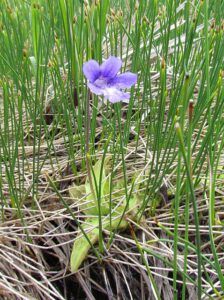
{"points": [[163, 63], [194, 18], [108, 19], [74, 21], [112, 12], [55, 37], [146, 20], [24, 52], [222, 74], [190, 109], [50, 64], [213, 24], [159, 12], [86, 11], [9, 9], [120, 13]]}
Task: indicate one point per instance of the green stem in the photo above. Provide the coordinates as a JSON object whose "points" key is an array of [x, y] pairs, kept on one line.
{"points": [[194, 200], [89, 169], [88, 159]]}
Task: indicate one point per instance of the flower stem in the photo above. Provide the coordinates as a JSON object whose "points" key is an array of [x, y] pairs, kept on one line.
{"points": [[96, 196], [87, 134]]}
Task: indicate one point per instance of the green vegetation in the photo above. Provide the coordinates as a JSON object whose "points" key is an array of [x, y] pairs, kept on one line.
{"points": [[152, 224]]}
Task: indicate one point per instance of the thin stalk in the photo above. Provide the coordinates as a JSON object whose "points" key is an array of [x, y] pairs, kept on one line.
{"points": [[141, 251], [194, 200], [186, 210], [87, 135]]}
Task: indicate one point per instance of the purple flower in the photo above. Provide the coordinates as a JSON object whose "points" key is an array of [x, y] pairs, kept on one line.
{"points": [[104, 80]]}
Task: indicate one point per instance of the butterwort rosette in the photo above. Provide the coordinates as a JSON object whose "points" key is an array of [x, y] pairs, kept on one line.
{"points": [[104, 79]]}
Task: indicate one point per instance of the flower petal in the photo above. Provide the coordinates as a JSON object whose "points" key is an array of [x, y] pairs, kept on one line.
{"points": [[91, 70], [114, 95], [110, 67], [125, 80], [95, 89], [100, 83]]}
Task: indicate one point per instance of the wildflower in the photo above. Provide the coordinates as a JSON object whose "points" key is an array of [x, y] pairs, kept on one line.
{"points": [[105, 80]]}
